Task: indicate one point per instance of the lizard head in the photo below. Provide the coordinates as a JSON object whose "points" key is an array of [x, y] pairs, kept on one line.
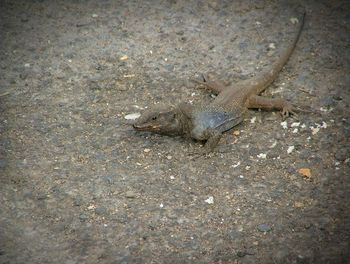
{"points": [[161, 120]]}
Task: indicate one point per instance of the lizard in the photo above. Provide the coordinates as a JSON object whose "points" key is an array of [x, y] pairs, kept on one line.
{"points": [[208, 122]]}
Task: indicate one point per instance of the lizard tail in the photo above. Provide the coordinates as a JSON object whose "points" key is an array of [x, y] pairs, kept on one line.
{"points": [[267, 77]]}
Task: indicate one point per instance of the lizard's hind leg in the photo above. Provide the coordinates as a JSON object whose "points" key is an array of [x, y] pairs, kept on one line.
{"points": [[212, 84], [286, 108]]}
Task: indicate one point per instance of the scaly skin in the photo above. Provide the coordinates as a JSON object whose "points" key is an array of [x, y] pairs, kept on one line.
{"points": [[208, 122]]}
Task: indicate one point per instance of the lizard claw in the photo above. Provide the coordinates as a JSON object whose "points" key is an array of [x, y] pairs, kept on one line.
{"points": [[202, 81], [200, 153], [288, 110], [205, 78]]}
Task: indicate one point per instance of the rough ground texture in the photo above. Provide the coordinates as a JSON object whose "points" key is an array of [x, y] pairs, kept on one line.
{"points": [[78, 185]]}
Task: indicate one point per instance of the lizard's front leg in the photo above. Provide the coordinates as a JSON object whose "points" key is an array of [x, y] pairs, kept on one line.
{"points": [[214, 137], [286, 108]]}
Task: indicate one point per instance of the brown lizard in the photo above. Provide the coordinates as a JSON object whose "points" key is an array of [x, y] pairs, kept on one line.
{"points": [[208, 122]]}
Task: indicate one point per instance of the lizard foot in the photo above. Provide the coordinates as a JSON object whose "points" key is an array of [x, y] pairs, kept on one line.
{"points": [[200, 153], [288, 110], [210, 83]]}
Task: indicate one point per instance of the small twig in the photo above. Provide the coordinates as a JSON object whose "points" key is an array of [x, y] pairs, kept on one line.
{"points": [[5, 93]]}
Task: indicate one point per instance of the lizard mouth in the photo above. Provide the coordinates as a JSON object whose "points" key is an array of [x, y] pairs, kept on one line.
{"points": [[145, 127], [139, 127]]}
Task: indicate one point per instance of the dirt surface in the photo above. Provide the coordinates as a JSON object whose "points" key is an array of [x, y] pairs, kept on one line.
{"points": [[79, 185]]}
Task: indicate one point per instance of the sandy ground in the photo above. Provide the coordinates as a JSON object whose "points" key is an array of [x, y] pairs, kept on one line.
{"points": [[79, 185]]}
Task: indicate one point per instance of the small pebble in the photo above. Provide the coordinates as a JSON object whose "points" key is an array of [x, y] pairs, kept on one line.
{"points": [[83, 217], [262, 156], [290, 149], [2, 163], [129, 75], [270, 53], [306, 172], [294, 20], [132, 116], [77, 201], [210, 200], [130, 194], [273, 144], [298, 205], [236, 132], [124, 58], [169, 67], [241, 254], [100, 210], [314, 130], [234, 234], [342, 153], [236, 165], [264, 228], [284, 125], [91, 207]]}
